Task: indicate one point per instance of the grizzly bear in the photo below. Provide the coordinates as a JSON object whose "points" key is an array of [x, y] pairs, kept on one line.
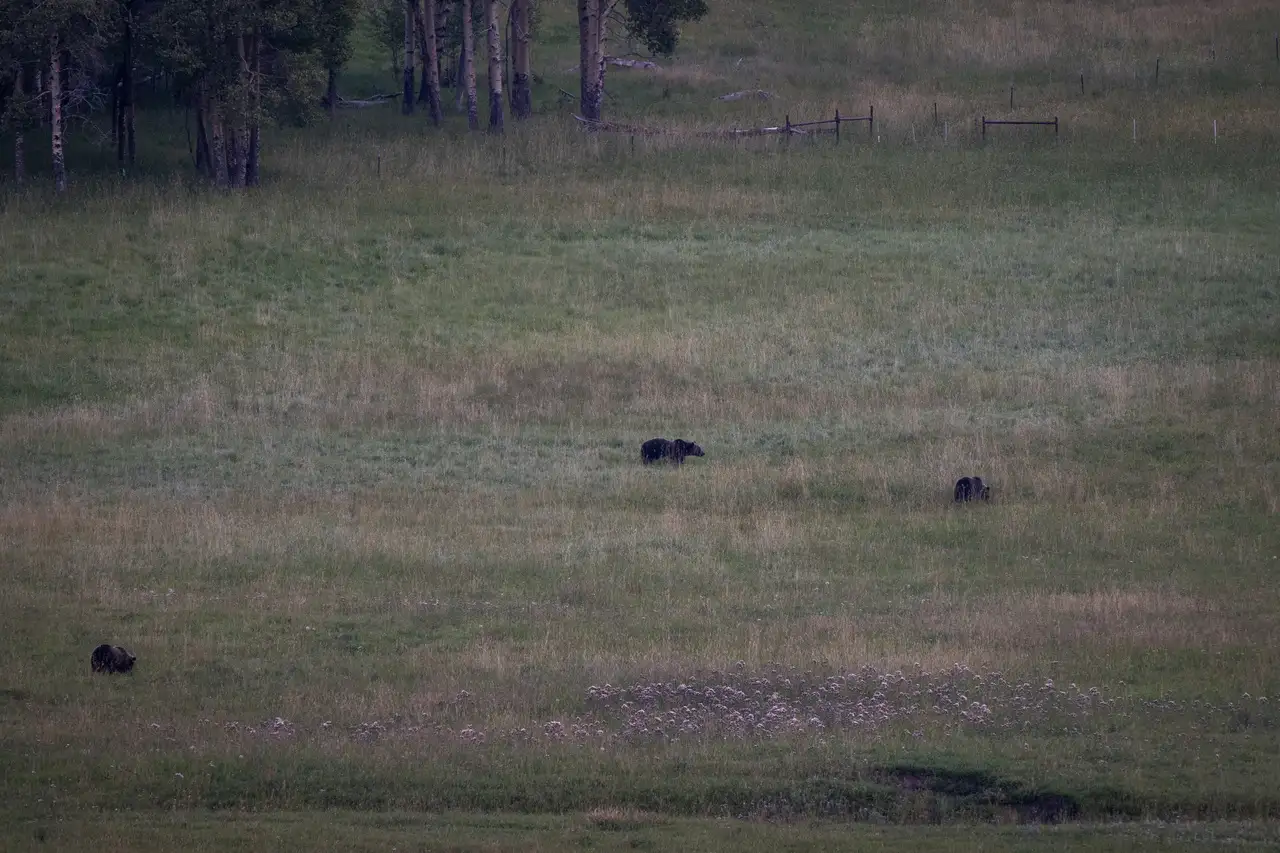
{"points": [[972, 489], [108, 658], [657, 449]]}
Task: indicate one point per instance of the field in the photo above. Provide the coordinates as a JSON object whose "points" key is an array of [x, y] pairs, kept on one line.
{"points": [[352, 462]]}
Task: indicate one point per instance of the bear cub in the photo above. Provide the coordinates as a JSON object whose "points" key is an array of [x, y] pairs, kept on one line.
{"points": [[972, 489], [658, 449], [108, 658]]}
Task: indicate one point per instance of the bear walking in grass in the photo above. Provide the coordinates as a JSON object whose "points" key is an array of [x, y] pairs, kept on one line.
{"points": [[107, 658], [972, 489], [660, 449]]}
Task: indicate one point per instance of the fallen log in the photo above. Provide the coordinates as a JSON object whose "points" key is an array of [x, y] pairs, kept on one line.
{"points": [[759, 94], [371, 101], [631, 63], [638, 130], [620, 62]]}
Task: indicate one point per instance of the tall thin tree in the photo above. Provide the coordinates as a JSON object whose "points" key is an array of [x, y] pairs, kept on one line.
{"points": [[590, 58], [19, 136], [331, 92], [521, 73], [431, 44], [459, 90], [335, 21], [253, 144], [420, 33], [469, 66], [217, 145], [494, 21], [126, 145], [237, 138], [55, 115], [203, 158], [406, 100]]}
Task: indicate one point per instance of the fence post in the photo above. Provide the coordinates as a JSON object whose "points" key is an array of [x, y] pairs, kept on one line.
{"points": [[1082, 82], [935, 113], [1157, 71], [871, 123], [837, 127], [984, 128], [1055, 125]]}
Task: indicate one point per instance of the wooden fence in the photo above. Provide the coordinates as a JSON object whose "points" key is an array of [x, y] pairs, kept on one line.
{"points": [[989, 121], [833, 123], [789, 128]]}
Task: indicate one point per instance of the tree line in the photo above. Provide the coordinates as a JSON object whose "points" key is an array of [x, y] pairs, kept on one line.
{"points": [[240, 65]]}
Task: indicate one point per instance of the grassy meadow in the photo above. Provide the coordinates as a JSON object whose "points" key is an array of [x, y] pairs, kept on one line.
{"points": [[352, 462]]}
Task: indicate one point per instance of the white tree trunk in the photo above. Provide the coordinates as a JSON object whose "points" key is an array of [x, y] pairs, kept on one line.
{"points": [[521, 74], [55, 116], [253, 154], [19, 140], [591, 58], [469, 67], [432, 61], [406, 99], [495, 65], [217, 146], [237, 137]]}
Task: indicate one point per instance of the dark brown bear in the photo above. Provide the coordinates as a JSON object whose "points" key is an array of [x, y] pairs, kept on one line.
{"points": [[972, 489], [112, 659], [658, 449]]}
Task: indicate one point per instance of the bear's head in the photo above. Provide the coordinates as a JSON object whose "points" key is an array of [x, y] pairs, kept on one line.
{"points": [[688, 448]]}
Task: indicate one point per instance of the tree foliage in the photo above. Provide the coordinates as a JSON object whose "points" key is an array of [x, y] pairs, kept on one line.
{"points": [[83, 29], [241, 64], [336, 21], [656, 23], [383, 22]]}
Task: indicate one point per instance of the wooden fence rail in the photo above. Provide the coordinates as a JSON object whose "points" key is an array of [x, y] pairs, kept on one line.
{"points": [[869, 118], [788, 127], [986, 121]]}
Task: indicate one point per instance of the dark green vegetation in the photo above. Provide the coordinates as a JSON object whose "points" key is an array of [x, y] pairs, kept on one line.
{"points": [[352, 465], [606, 830]]}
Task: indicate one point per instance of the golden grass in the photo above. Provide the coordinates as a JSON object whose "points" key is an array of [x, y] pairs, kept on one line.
{"points": [[594, 373], [1016, 35], [1021, 627], [165, 556], [947, 50]]}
